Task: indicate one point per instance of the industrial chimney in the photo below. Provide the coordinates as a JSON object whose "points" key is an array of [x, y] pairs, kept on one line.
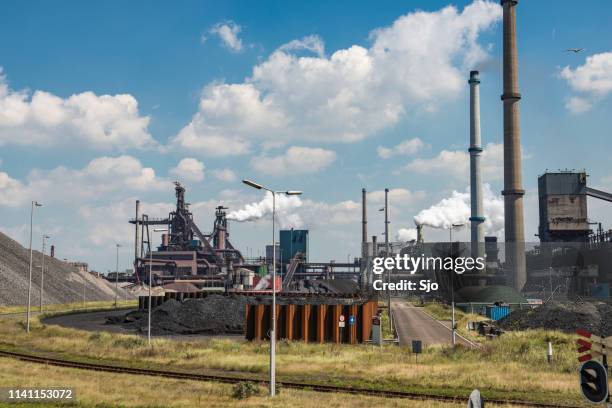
{"points": [[513, 190], [136, 235], [364, 218], [477, 219], [419, 228]]}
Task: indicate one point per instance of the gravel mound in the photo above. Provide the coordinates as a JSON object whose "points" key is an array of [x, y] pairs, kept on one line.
{"points": [[214, 314], [62, 283], [594, 316]]}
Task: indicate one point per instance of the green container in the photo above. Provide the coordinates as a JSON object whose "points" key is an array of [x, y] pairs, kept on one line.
{"points": [[262, 270]]}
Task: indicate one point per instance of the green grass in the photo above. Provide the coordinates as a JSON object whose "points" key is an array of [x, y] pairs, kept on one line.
{"points": [[67, 307], [513, 366]]}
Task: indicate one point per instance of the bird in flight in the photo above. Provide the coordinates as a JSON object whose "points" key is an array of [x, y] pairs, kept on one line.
{"points": [[574, 50]]}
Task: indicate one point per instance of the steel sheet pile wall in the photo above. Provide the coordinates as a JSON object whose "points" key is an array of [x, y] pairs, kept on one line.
{"points": [[316, 323]]}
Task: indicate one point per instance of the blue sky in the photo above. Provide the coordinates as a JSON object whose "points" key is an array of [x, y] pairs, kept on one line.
{"points": [[95, 155]]}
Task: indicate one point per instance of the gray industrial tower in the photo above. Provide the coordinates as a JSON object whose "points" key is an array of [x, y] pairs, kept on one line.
{"points": [[513, 181], [477, 219]]}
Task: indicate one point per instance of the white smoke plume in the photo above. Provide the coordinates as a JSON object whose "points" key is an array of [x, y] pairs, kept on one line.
{"points": [[285, 206], [406, 234], [456, 210]]}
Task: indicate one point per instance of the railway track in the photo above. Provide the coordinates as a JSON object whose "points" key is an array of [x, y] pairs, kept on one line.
{"points": [[285, 384]]}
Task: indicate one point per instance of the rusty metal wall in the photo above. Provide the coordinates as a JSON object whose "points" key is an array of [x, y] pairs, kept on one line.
{"points": [[314, 323]]}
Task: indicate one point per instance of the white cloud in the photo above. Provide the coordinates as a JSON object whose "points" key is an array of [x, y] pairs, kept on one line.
{"points": [[228, 34], [412, 66], [456, 210], [296, 160], [456, 163], [398, 197], [576, 104], [108, 224], [312, 43], [227, 175], [99, 178], [189, 169], [410, 146], [97, 121], [593, 80]]}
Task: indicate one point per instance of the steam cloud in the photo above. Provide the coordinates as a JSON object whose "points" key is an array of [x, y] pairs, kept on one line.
{"points": [[263, 209], [456, 210], [406, 234]]}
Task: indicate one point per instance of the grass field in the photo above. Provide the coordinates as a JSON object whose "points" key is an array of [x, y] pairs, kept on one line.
{"points": [[513, 366], [66, 307], [110, 390]]}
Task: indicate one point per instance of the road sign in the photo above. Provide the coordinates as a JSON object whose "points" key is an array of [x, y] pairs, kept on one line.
{"points": [[594, 381], [351, 320], [417, 346], [341, 318], [597, 346], [341, 324]]}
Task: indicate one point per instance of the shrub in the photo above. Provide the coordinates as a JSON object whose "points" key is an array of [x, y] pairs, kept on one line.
{"points": [[244, 390]]}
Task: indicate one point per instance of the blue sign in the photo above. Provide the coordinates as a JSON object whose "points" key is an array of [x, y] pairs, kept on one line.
{"points": [[351, 320]]}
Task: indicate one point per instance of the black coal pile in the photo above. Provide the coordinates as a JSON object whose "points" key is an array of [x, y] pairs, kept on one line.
{"points": [[567, 316], [214, 314]]}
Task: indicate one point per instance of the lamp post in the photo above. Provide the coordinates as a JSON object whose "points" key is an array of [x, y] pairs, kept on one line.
{"points": [[34, 204], [450, 236], [42, 271], [386, 210], [117, 275], [151, 281], [273, 314]]}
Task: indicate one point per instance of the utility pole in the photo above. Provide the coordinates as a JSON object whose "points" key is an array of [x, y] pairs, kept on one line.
{"points": [[34, 204], [387, 255], [117, 275], [42, 271]]}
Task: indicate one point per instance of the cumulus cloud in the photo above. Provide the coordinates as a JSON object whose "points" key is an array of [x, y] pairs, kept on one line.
{"points": [[456, 163], [227, 175], [228, 34], [456, 210], [410, 146], [100, 177], [397, 197], [592, 81], [189, 169], [412, 66], [97, 121], [296, 160]]}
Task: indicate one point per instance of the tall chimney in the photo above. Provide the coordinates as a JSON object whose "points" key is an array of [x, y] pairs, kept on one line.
{"points": [[477, 219], [420, 239], [513, 184], [364, 218], [136, 236]]}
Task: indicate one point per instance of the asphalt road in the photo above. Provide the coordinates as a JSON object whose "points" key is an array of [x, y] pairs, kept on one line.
{"points": [[413, 324]]}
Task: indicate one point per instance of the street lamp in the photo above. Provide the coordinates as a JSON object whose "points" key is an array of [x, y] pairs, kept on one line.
{"points": [[151, 281], [273, 323], [34, 204], [117, 275], [450, 236], [42, 270], [386, 210]]}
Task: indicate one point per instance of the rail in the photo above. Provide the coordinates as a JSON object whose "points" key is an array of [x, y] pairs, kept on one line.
{"points": [[286, 384]]}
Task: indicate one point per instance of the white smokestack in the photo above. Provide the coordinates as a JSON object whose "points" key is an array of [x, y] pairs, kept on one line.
{"points": [[476, 219]]}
